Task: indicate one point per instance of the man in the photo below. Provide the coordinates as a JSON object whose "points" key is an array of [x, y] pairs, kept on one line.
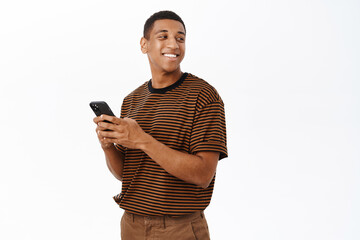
{"points": [[167, 143]]}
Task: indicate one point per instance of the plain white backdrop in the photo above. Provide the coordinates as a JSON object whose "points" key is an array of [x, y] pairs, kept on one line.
{"points": [[288, 72]]}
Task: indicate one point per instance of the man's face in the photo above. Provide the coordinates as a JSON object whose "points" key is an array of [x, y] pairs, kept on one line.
{"points": [[165, 45]]}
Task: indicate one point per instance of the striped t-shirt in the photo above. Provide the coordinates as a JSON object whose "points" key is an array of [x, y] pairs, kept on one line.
{"points": [[186, 116]]}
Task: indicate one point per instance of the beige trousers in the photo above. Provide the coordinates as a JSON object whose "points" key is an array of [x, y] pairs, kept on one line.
{"points": [[188, 227]]}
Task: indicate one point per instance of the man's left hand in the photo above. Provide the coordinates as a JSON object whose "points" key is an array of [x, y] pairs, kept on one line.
{"points": [[124, 131]]}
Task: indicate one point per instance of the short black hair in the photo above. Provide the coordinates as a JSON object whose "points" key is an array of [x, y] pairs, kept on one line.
{"points": [[159, 16]]}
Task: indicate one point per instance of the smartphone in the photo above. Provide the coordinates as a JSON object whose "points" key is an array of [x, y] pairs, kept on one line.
{"points": [[101, 107]]}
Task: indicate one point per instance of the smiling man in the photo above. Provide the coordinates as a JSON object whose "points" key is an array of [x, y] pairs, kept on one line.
{"points": [[167, 143]]}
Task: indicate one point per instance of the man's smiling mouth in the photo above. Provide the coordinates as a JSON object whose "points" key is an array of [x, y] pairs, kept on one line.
{"points": [[170, 55]]}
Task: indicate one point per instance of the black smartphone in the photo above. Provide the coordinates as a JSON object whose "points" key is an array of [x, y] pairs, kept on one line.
{"points": [[101, 107]]}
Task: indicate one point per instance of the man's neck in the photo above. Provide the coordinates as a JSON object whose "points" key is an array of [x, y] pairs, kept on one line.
{"points": [[163, 80]]}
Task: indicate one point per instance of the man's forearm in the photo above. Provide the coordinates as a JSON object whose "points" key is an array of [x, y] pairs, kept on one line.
{"points": [[197, 169], [114, 161]]}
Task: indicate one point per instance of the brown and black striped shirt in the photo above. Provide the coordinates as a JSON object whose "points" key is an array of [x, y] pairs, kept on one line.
{"points": [[186, 116]]}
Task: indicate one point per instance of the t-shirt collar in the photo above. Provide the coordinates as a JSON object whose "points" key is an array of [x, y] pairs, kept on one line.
{"points": [[168, 88]]}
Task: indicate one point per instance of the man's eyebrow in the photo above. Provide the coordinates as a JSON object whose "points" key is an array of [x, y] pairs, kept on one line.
{"points": [[161, 31]]}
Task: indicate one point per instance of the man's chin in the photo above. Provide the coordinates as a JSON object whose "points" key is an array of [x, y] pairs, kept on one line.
{"points": [[171, 70]]}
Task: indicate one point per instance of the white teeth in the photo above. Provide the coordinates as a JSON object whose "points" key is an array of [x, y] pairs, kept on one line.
{"points": [[169, 55]]}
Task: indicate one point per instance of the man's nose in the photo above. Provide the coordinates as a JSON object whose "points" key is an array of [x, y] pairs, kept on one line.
{"points": [[172, 43]]}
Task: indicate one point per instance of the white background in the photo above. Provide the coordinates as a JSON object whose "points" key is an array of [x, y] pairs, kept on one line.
{"points": [[288, 72]]}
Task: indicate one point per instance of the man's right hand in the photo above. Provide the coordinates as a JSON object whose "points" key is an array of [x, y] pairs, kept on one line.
{"points": [[114, 158], [104, 145]]}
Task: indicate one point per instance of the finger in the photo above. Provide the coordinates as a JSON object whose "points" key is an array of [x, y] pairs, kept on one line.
{"points": [[112, 119], [107, 125], [104, 117], [107, 134], [108, 140], [99, 128], [112, 127], [97, 119]]}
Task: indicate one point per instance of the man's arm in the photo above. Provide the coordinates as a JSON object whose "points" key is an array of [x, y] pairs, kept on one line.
{"points": [[114, 161], [114, 158], [197, 169]]}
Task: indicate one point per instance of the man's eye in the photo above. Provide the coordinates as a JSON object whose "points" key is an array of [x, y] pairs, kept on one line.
{"points": [[181, 39], [163, 36]]}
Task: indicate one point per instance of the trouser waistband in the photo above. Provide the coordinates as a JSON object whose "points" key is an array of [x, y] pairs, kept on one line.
{"points": [[164, 220]]}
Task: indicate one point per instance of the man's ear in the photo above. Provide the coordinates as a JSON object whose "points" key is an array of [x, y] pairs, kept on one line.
{"points": [[143, 45]]}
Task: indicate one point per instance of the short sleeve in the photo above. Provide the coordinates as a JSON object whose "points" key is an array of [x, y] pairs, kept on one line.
{"points": [[120, 148], [209, 129]]}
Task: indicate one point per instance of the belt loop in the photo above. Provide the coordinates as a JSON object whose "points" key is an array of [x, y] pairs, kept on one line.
{"points": [[133, 217], [164, 221]]}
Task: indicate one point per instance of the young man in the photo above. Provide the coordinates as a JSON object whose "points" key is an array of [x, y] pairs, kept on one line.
{"points": [[167, 143]]}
